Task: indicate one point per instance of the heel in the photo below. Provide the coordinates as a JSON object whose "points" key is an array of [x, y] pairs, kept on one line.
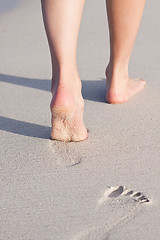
{"points": [[64, 127]]}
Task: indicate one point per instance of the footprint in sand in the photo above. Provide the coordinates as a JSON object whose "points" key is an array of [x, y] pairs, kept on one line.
{"points": [[117, 205], [115, 192]]}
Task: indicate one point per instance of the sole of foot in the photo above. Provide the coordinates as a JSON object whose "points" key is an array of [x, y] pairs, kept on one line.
{"points": [[67, 117], [121, 92]]}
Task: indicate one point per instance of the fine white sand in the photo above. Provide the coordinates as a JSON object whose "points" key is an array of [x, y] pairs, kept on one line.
{"points": [[72, 191]]}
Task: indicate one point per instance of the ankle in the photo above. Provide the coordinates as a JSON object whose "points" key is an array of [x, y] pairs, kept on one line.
{"points": [[61, 98], [117, 77], [66, 80], [116, 70], [66, 97]]}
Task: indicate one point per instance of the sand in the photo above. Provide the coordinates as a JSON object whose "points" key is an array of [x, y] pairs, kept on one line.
{"points": [[72, 191]]}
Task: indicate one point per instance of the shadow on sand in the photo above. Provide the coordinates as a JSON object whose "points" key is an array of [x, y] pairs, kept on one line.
{"points": [[7, 5], [24, 128], [92, 90]]}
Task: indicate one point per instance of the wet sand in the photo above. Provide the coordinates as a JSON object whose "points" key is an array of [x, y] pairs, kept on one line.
{"points": [[104, 188]]}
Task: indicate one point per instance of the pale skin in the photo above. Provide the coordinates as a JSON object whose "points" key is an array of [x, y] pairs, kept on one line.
{"points": [[62, 21]]}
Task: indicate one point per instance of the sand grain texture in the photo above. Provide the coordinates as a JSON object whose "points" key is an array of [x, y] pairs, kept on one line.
{"points": [[56, 191]]}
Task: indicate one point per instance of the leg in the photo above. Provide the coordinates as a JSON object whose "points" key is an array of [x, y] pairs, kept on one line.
{"points": [[124, 17], [62, 21]]}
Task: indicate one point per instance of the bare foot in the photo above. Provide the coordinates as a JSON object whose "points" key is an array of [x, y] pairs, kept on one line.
{"points": [[120, 88], [67, 114]]}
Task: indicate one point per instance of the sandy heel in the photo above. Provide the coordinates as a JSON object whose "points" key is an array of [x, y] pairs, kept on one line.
{"points": [[63, 125]]}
